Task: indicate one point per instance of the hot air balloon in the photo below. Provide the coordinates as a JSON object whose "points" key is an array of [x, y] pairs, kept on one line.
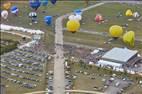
{"points": [[53, 1], [48, 20], [44, 2], [98, 18], [71, 17], [73, 25], [78, 17], [14, 10], [4, 14], [33, 16], [7, 5], [136, 15], [35, 4], [129, 13], [129, 38], [78, 12], [115, 31]]}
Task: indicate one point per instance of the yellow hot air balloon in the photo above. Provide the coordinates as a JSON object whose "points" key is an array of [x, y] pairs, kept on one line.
{"points": [[115, 31], [73, 25], [129, 12], [129, 38], [7, 5]]}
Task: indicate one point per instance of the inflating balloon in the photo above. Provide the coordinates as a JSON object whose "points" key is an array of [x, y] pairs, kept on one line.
{"points": [[33, 16], [71, 17], [129, 13], [136, 15], [98, 18], [53, 1], [44, 2], [35, 4], [7, 5], [4, 14], [129, 38], [78, 12], [73, 25], [14, 9], [48, 20], [115, 31], [78, 17]]}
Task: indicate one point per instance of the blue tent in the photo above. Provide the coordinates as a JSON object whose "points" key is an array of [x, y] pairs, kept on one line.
{"points": [[35, 4], [48, 20]]}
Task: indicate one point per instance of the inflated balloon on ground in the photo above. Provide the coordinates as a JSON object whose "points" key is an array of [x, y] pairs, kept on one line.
{"points": [[129, 38], [48, 20], [115, 31], [73, 25], [129, 13], [44, 2], [7, 5], [4, 14], [14, 9], [98, 18], [35, 4]]}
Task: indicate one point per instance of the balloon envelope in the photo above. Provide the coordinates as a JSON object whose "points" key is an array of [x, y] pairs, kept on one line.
{"points": [[129, 38], [98, 18], [14, 9], [78, 17], [4, 14], [35, 4], [44, 2], [115, 31], [32, 14], [53, 1], [71, 17], [73, 25], [136, 15], [7, 5], [48, 19], [129, 12], [78, 12]]}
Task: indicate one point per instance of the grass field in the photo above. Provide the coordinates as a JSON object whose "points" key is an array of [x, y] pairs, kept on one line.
{"points": [[109, 12], [96, 40], [8, 36]]}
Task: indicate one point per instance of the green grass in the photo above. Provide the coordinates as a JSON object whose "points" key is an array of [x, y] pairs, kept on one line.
{"points": [[4, 35], [109, 12], [96, 40]]}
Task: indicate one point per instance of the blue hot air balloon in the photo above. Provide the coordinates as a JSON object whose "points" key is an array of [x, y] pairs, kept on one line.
{"points": [[35, 4], [78, 12], [53, 1], [48, 20], [44, 2], [14, 10]]}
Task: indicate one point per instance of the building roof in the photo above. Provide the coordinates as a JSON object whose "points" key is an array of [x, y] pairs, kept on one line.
{"points": [[119, 54]]}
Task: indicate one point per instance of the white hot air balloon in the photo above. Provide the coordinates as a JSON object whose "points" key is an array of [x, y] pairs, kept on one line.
{"points": [[136, 15], [78, 17], [4, 14], [71, 17]]}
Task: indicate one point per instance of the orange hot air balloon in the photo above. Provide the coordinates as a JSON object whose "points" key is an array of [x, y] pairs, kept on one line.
{"points": [[7, 5]]}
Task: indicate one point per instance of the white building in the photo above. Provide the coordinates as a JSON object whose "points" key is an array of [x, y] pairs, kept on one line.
{"points": [[117, 57]]}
